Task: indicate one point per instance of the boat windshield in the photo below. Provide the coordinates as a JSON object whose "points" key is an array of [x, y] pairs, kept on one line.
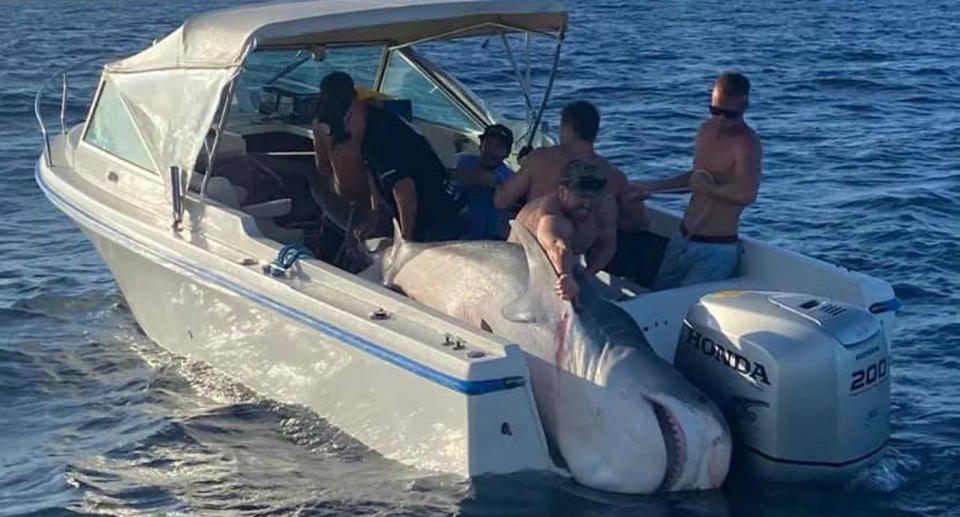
{"points": [[406, 79], [299, 71]]}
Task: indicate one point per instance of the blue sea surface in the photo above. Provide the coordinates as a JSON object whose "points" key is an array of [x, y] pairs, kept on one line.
{"points": [[858, 107]]}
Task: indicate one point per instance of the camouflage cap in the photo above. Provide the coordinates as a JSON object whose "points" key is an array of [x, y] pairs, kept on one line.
{"points": [[583, 178]]}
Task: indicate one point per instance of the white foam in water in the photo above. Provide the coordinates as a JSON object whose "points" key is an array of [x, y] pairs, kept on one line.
{"points": [[888, 474]]}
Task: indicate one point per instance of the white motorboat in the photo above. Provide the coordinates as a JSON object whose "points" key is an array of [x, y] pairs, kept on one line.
{"points": [[151, 176]]}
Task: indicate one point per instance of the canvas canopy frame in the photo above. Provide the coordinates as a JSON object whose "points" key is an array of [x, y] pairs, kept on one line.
{"points": [[174, 88]]}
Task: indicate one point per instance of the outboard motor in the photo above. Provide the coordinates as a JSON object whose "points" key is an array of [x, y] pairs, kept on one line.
{"points": [[803, 381]]}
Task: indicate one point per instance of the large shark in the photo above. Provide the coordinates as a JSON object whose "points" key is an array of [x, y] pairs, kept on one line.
{"points": [[622, 418]]}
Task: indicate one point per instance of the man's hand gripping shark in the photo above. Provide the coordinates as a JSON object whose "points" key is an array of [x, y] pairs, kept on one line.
{"points": [[622, 418]]}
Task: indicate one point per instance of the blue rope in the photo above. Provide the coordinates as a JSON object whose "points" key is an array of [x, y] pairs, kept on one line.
{"points": [[290, 254]]}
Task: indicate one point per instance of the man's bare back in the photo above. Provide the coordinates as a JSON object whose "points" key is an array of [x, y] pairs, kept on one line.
{"points": [[541, 171], [545, 166]]}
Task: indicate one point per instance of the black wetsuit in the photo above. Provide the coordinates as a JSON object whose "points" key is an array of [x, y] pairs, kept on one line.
{"points": [[394, 150]]}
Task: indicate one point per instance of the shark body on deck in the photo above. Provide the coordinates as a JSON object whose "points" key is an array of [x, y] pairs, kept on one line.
{"points": [[621, 418]]}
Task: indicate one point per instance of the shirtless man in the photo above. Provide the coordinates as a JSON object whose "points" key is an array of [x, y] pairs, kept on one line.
{"points": [[406, 174], [338, 133], [542, 168], [576, 218], [724, 181]]}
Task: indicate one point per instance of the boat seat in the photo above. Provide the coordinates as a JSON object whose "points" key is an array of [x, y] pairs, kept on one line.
{"points": [[221, 190], [230, 145]]}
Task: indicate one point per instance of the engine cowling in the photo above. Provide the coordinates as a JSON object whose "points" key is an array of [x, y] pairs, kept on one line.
{"points": [[803, 381]]}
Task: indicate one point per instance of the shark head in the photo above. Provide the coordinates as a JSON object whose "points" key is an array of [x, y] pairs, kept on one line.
{"points": [[622, 418]]}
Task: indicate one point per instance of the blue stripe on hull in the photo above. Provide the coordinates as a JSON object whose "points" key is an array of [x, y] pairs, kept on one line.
{"points": [[369, 347]]}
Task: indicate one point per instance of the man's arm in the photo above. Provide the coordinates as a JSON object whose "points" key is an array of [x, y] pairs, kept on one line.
{"points": [[642, 189], [742, 189], [674, 182], [630, 211], [405, 196], [555, 233], [605, 247], [512, 190], [321, 148]]}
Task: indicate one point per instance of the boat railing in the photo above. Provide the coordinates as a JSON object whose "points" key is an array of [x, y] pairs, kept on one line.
{"points": [[62, 75]]}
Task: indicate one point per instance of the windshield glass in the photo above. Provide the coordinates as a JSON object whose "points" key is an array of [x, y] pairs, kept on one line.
{"points": [[297, 71], [491, 75], [403, 80]]}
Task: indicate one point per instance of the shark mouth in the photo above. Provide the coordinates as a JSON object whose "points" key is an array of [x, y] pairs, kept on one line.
{"points": [[675, 443]]}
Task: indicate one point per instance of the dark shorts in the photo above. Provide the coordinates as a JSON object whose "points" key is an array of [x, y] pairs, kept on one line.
{"points": [[638, 257]]}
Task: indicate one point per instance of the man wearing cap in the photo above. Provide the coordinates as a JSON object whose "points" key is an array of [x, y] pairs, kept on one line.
{"points": [[476, 177], [541, 171], [580, 217]]}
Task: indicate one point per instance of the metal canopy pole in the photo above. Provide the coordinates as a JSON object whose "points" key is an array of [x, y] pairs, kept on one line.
{"points": [[227, 95], [37, 100], [63, 105], [546, 94], [526, 55], [462, 30], [525, 87]]}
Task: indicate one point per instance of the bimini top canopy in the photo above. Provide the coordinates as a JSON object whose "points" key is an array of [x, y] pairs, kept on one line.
{"points": [[220, 39], [172, 89]]}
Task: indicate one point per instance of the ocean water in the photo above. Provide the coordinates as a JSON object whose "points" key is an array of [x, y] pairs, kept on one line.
{"points": [[856, 103]]}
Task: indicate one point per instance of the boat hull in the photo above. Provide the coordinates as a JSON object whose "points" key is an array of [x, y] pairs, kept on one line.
{"points": [[405, 410]]}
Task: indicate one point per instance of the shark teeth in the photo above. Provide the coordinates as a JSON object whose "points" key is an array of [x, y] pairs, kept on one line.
{"points": [[675, 442]]}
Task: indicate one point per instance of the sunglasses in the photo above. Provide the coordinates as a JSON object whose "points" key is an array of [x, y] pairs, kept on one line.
{"points": [[717, 111]]}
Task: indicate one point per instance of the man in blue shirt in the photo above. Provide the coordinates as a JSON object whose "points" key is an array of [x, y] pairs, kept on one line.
{"points": [[475, 179]]}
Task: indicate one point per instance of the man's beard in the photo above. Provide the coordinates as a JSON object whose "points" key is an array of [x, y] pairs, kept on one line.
{"points": [[576, 213]]}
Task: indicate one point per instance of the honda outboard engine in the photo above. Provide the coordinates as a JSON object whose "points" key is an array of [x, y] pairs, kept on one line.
{"points": [[803, 381]]}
